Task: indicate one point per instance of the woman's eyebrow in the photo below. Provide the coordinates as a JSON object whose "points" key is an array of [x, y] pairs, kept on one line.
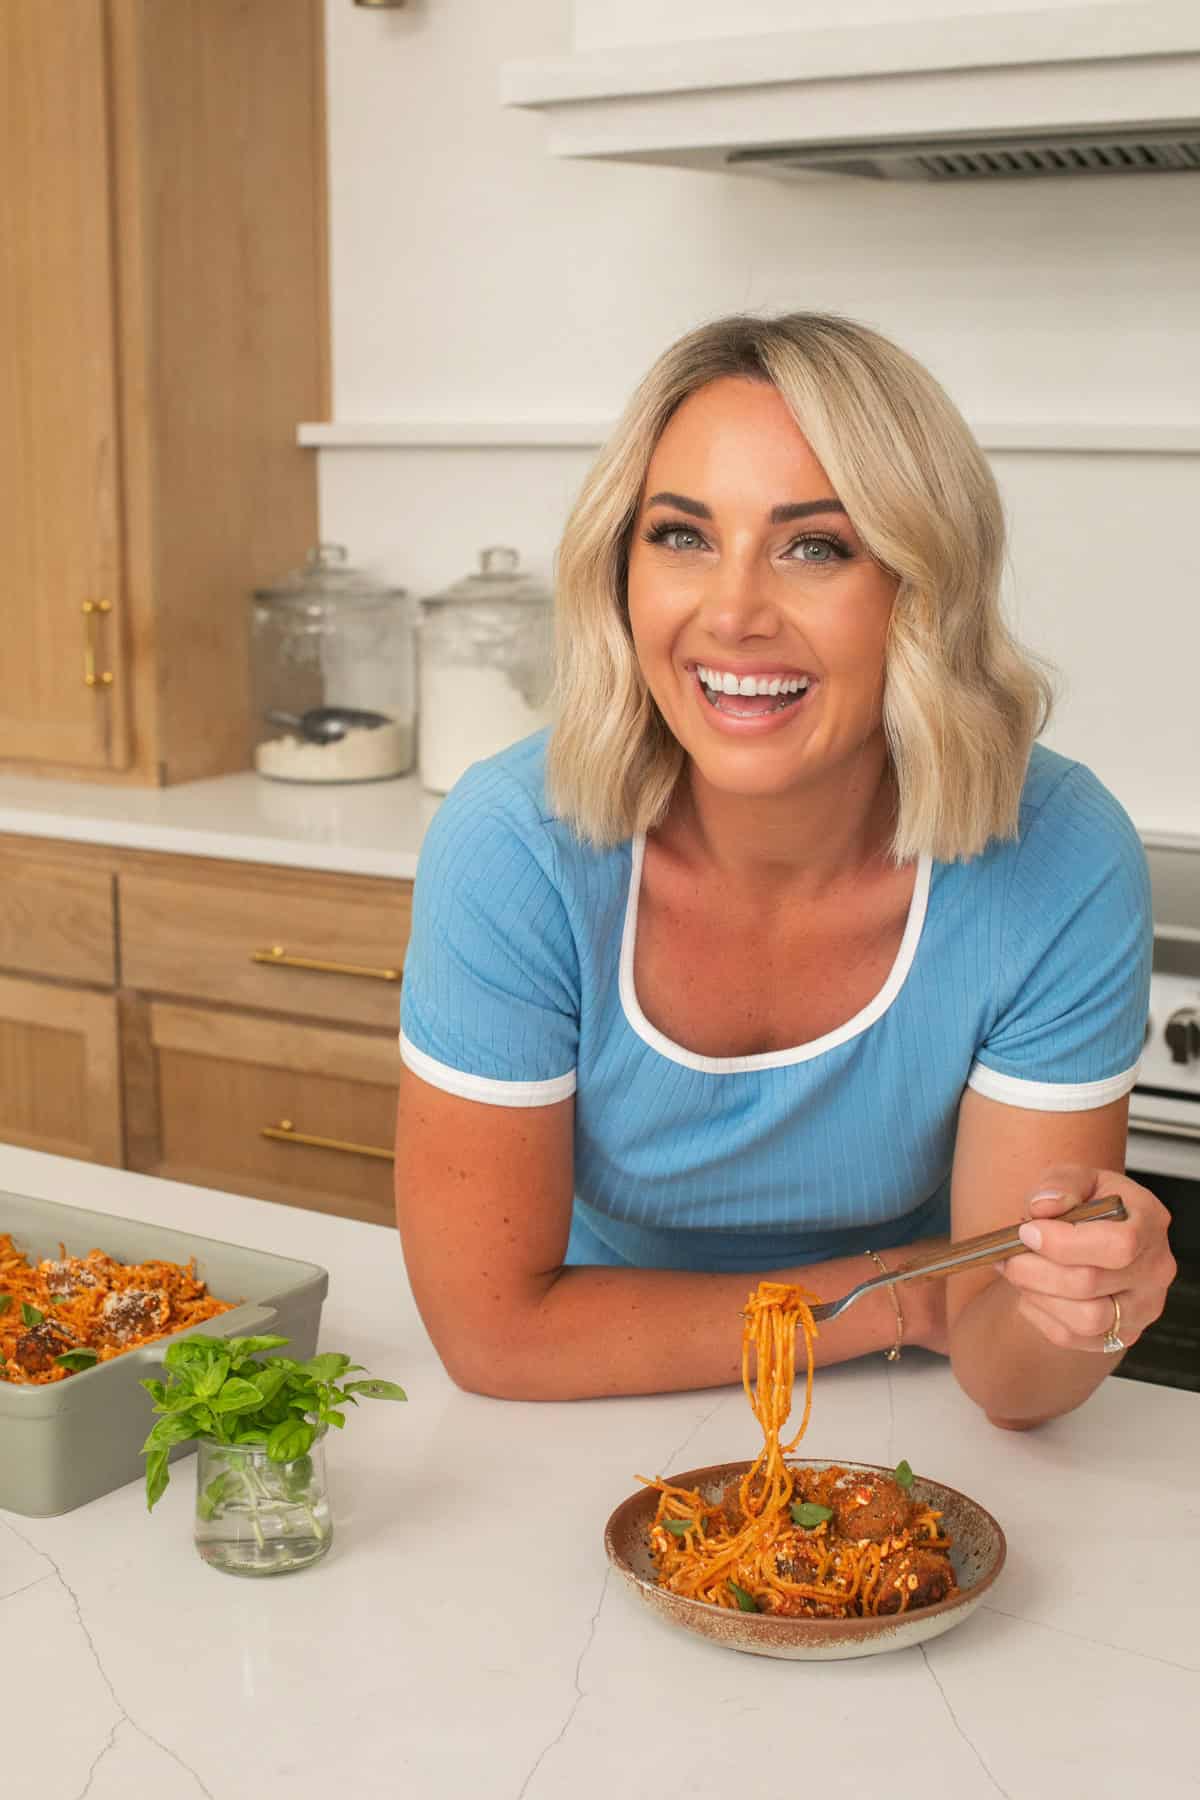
{"points": [[697, 508], [800, 509], [779, 515]]}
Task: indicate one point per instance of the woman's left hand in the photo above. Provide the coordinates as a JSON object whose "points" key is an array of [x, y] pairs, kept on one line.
{"points": [[1079, 1275]]}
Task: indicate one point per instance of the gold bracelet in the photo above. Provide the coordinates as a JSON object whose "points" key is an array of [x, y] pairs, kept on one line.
{"points": [[892, 1355]]}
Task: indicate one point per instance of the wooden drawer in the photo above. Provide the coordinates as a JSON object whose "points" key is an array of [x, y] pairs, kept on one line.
{"points": [[57, 920], [237, 940], [223, 1081], [60, 1085]]}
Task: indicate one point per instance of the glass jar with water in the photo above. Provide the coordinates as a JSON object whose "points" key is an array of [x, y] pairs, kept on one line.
{"points": [[259, 1517]]}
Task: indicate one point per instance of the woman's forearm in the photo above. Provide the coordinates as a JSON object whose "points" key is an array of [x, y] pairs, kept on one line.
{"points": [[598, 1331], [1010, 1369]]}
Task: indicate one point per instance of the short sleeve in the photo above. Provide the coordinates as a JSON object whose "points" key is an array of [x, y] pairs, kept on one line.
{"points": [[1073, 981], [490, 1001]]}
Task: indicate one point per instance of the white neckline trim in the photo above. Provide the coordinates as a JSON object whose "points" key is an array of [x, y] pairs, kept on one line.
{"points": [[770, 1059]]}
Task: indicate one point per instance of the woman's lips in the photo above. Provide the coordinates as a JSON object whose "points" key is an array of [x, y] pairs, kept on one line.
{"points": [[754, 713]]}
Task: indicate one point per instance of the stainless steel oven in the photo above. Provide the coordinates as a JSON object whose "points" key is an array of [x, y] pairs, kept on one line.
{"points": [[1164, 1110]]}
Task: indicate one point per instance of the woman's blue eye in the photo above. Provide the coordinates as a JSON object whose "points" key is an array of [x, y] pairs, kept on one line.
{"points": [[831, 548], [670, 534]]}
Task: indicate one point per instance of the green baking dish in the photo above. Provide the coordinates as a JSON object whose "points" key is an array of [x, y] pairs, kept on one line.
{"points": [[68, 1442]]}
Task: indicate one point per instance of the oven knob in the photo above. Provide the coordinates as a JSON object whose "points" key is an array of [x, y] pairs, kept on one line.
{"points": [[1183, 1034]]}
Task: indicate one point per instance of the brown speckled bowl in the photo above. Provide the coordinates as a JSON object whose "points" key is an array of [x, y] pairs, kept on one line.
{"points": [[977, 1553]]}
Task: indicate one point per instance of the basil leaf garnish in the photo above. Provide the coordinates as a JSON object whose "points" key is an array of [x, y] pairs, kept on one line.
{"points": [[74, 1360], [216, 1390], [5, 1302], [746, 1601], [904, 1475], [809, 1513], [376, 1390], [680, 1527], [30, 1315], [288, 1441], [156, 1477]]}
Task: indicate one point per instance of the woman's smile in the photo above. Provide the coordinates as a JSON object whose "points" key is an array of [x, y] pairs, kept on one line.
{"points": [[763, 699]]}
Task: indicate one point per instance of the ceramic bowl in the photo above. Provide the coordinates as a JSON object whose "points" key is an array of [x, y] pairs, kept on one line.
{"points": [[977, 1554]]}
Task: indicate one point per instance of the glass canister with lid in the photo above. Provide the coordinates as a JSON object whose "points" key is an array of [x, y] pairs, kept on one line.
{"points": [[333, 674], [485, 658]]}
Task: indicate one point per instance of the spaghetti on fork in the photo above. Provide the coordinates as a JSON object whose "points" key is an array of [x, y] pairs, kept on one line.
{"points": [[829, 1543]]}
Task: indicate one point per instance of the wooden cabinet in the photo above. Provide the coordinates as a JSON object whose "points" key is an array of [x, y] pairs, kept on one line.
{"points": [[328, 947], [58, 919], [162, 331], [59, 507], [229, 1025], [60, 1086], [277, 1108]]}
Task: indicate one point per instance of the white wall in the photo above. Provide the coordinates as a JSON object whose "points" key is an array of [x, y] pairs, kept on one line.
{"points": [[475, 278]]}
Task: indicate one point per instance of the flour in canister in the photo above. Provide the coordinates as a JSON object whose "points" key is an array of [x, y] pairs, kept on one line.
{"points": [[363, 754], [467, 714]]}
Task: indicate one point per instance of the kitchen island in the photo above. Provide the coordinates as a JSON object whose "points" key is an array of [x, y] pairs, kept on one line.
{"points": [[465, 1638]]}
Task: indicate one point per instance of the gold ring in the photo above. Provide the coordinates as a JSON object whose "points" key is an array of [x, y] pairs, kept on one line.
{"points": [[1112, 1337]]}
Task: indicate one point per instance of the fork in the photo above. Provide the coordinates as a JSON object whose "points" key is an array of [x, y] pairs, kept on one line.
{"points": [[994, 1246]]}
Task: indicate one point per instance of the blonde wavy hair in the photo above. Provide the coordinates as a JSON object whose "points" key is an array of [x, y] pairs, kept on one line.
{"points": [[963, 702]]}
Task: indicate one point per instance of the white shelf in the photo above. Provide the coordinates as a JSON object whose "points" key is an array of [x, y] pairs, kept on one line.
{"points": [[459, 434], [1097, 437]]}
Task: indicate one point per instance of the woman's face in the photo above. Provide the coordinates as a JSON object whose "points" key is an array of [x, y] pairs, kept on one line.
{"points": [[758, 618]]}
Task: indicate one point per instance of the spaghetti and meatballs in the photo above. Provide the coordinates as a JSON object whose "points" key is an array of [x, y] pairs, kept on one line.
{"points": [[797, 1542], [65, 1313]]}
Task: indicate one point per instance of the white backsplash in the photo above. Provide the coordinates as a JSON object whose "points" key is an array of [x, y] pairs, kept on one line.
{"points": [[475, 278]]}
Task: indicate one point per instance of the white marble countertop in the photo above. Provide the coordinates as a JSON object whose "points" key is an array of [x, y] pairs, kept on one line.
{"points": [[464, 1638], [353, 828]]}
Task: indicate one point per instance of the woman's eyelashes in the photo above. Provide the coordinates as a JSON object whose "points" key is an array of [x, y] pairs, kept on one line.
{"points": [[680, 539]]}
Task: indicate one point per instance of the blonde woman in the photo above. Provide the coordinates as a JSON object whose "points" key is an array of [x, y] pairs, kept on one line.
{"points": [[791, 948]]}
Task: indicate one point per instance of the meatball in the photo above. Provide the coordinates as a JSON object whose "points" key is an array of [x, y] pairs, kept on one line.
{"points": [[798, 1554], [873, 1507], [731, 1505], [133, 1314], [66, 1276], [36, 1349], [924, 1575]]}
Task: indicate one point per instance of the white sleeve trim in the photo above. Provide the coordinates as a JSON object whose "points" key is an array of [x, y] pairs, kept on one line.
{"points": [[482, 1087], [1050, 1096]]}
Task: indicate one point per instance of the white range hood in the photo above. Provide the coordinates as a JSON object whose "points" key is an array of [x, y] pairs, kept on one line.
{"points": [[1069, 90]]}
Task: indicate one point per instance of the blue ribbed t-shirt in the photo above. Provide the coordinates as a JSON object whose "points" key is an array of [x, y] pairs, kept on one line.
{"points": [[1023, 973]]}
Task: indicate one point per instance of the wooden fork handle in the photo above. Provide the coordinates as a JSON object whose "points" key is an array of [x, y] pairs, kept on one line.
{"points": [[994, 1246]]}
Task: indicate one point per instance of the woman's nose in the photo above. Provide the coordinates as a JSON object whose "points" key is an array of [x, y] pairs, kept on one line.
{"points": [[738, 603]]}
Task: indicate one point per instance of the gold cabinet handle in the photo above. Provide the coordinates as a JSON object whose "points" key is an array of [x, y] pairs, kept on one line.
{"points": [[93, 677], [285, 1133], [279, 958]]}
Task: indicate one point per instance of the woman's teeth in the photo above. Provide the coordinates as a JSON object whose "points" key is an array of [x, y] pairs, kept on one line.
{"points": [[724, 683], [719, 683]]}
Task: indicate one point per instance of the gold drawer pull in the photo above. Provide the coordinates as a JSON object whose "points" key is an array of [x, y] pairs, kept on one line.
{"points": [[285, 1133], [277, 957], [93, 677]]}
